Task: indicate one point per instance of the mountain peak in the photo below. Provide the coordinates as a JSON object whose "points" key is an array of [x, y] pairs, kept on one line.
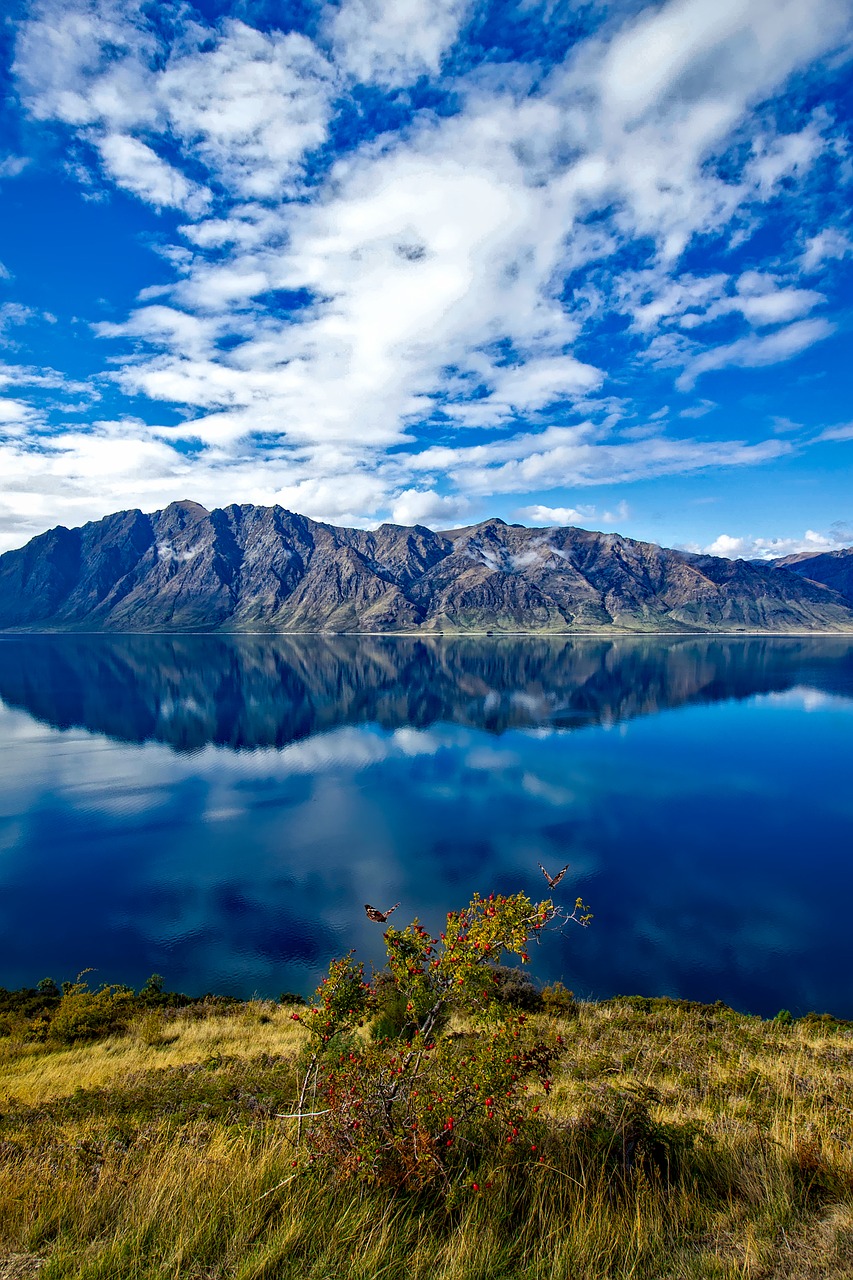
{"points": [[185, 506]]}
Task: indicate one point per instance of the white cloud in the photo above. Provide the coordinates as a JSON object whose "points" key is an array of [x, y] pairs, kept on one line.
{"points": [[167, 326], [778, 307], [393, 42], [86, 63], [842, 431], [15, 415], [787, 155], [425, 506], [675, 51], [587, 517], [653, 299], [250, 106], [62, 478], [754, 352], [698, 410], [432, 261], [11, 166], [13, 314], [757, 548], [551, 516], [543, 381], [247, 104], [564, 456], [134, 166], [828, 245]]}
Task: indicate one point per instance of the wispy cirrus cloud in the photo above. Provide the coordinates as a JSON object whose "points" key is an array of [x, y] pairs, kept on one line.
{"points": [[578, 456], [842, 431], [755, 351]]}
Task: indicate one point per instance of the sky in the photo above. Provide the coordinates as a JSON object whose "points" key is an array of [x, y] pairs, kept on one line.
{"points": [[431, 261]]}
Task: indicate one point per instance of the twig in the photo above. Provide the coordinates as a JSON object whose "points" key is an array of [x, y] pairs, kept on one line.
{"points": [[302, 1098], [298, 1115], [277, 1187], [562, 1174]]}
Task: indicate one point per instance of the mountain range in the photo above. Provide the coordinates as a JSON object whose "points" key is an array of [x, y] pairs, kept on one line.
{"points": [[250, 568]]}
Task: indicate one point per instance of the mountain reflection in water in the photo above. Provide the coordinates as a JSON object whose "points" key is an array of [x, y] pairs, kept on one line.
{"points": [[245, 692], [218, 808]]}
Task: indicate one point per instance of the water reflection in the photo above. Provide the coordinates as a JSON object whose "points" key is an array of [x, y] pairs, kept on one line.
{"points": [[218, 809], [248, 692]]}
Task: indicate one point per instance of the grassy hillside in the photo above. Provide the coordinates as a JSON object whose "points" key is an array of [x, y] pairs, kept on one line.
{"points": [[687, 1141]]}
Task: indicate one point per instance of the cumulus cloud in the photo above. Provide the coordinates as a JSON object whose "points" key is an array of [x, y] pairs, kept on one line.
{"points": [[551, 516], [393, 42], [61, 478], [655, 301], [751, 547], [251, 106], [425, 506], [248, 104], [13, 314]]}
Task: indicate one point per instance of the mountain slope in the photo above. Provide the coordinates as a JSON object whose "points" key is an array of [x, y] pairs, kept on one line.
{"points": [[833, 569], [249, 568]]}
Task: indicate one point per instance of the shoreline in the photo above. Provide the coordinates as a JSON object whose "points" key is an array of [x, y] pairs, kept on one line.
{"points": [[146, 997], [604, 633]]}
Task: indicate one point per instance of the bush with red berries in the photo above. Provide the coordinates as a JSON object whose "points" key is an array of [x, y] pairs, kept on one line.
{"points": [[416, 1104]]}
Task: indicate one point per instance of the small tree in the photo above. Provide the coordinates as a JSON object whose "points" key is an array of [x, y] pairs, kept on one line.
{"points": [[418, 1105]]}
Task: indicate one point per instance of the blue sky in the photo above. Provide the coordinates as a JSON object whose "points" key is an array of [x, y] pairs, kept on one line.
{"points": [[431, 261]]}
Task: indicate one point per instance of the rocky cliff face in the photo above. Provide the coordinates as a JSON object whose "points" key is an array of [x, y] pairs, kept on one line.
{"points": [[833, 569], [247, 568]]}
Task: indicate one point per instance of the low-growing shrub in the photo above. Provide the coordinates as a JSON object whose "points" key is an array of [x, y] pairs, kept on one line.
{"points": [[85, 1014], [515, 988], [415, 1105], [558, 1001]]}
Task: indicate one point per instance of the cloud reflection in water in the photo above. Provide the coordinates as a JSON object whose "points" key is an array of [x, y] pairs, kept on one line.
{"points": [[218, 809]]}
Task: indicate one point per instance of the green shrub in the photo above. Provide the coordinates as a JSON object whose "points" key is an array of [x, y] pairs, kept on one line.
{"points": [[558, 1001], [85, 1014]]}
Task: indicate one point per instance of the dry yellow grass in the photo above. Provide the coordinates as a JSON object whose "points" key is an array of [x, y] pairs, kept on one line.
{"points": [[172, 1163], [35, 1074]]}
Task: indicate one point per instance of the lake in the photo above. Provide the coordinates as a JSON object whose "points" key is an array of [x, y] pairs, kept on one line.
{"points": [[219, 808]]}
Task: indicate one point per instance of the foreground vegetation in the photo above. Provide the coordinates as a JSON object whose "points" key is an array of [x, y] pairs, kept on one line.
{"points": [[675, 1140]]}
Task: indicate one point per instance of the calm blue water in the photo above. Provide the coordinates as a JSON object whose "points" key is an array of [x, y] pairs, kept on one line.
{"points": [[219, 809]]}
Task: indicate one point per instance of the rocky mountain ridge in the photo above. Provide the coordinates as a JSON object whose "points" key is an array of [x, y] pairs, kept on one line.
{"points": [[833, 569], [247, 568]]}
